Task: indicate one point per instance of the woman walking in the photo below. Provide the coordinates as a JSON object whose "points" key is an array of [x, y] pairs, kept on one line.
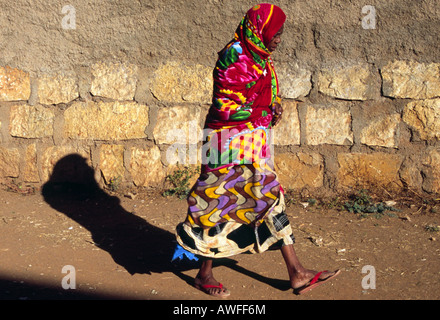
{"points": [[237, 204]]}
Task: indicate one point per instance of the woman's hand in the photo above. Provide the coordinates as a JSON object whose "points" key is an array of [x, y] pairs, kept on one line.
{"points": [[277, 113]]}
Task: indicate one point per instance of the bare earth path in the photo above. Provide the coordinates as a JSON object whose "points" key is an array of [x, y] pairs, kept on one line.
{"points": [[120, 248]]}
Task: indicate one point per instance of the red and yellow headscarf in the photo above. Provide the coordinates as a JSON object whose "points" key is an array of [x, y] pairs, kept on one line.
{"points": [[264, 20]]}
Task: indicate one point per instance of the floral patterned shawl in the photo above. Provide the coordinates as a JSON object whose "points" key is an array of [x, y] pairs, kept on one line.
{"points": [[245, 88], [245, 82]]}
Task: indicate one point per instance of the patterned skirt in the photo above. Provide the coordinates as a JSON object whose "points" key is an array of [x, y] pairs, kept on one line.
{"points": [[234, 210]]}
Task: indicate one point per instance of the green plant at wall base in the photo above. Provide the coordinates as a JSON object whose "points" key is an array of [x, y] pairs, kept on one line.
{"points": [[179, 180], [18, 187], [113, 184], [361, 203]]}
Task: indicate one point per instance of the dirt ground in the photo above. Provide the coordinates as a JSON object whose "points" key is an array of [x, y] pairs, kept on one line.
{"points": [[120, 247]]}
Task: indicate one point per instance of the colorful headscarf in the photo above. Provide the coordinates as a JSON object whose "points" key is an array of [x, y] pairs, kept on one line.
{"points": [[245, 82]]}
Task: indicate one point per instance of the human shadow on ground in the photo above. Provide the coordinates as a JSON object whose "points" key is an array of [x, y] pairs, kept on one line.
{"points": [[133, 243]]}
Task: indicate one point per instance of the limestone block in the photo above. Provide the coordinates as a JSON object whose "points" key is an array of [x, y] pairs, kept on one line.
{"points": [[9, 162], [353, 82], [31, 121], [114, 80], [431, 170], [66, 164], [287, 132], [111, 162], [146, 167], [30, 172], [297, 171], [178, 125], [370, 171], [328, 126], [410, 174], [382, 132], [410, 79], [106, 120], [15, 84], [424, 116], [176, 82], [54, 89], [294, 81]]}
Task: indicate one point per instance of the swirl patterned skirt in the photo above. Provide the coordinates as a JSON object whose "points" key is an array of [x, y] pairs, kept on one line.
{"points": [[236, 208]]}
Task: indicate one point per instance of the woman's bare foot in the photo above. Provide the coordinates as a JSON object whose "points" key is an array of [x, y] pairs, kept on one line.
{"points": [[302, 279], [308, 279], [205, 281], [211, 286]]}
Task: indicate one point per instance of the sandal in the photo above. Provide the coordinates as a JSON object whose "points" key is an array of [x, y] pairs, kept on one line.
{"points": [[223, 293], [315, 282]]}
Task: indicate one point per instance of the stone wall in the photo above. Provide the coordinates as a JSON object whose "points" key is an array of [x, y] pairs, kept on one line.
{"points": [[360, 88]]}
